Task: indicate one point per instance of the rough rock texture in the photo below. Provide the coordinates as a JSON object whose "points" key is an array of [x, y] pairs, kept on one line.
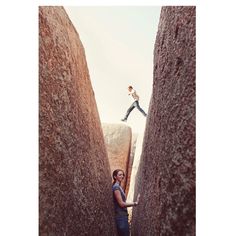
{"points": [[75, 196], [166, 177], [118, 144]]}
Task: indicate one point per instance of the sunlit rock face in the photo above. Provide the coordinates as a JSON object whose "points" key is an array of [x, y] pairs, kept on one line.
{"points": [[75, 196], [133, 151], [166, 175], [135, 164], [118, 143]]}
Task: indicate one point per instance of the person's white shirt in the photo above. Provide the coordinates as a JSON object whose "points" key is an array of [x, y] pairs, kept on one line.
{"points": [[134, 95]]}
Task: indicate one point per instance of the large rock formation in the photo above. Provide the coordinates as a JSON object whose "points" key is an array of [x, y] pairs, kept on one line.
{"points": [[134, 169], [166, 177], [118, 144], [75, 195], [133, 150]]}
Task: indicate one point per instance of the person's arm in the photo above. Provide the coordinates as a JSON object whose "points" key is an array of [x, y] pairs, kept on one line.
{"points": [[122, 203]]}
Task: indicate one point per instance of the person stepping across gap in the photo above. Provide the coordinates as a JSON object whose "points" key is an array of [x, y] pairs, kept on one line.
{"points": [[135, 97]]}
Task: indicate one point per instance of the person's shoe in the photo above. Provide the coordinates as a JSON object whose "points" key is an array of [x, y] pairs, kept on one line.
{"points": [[124, 120]]}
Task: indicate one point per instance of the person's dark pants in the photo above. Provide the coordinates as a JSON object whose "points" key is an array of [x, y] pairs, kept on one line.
{"points": [[122, 225], [133, 105]]}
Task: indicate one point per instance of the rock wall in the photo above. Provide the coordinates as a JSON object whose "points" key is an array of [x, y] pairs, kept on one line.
{"points": [[134, 169], [75, 196], [133, 149], [166, 175], [118, 143]]}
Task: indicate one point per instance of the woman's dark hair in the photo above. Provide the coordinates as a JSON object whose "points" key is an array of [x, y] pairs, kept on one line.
{"points": [[115, 172], [130, 87]]}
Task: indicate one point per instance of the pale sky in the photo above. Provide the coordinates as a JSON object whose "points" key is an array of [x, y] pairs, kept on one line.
{"points": [[119, 44]]}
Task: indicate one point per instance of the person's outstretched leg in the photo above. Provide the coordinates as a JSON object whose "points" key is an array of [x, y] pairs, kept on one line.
{"points": [[140, 109], [128, 112]]}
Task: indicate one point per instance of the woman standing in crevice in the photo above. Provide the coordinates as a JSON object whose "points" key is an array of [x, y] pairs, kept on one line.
{"points": [[119, 198]]}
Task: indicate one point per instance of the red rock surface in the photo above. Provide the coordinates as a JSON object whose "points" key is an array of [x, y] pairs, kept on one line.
{"points": [[118, 143], [166, 177], [75, 196]]}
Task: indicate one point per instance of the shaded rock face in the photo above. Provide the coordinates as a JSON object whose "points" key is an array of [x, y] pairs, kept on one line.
{"points": [[75, 196], [166, 175], [118, 143]]}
